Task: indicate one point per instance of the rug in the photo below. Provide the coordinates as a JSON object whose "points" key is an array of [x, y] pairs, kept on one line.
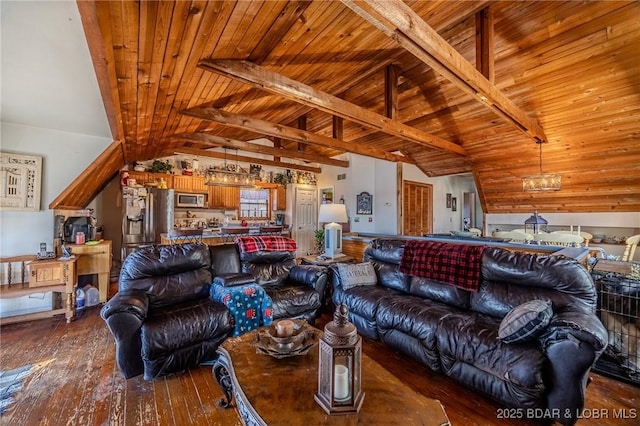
{"points": [[10, 383]]}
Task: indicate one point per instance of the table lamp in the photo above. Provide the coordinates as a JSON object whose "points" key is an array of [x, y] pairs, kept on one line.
{"points": [[331, 214]]}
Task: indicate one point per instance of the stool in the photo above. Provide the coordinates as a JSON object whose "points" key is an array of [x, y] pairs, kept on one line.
{"points": [[248, 303]]}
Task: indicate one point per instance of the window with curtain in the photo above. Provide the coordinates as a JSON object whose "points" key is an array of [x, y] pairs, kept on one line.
{"points": [[254, 204]]}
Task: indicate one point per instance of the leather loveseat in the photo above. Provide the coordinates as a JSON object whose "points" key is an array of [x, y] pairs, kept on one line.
{"points": [[455, 331], [163, 319]]}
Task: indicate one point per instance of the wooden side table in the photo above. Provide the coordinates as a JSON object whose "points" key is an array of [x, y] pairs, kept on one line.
{"points": [[57, 276], [95, 259]]}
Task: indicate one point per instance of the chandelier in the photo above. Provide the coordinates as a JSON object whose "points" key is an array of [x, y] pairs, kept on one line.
{"points": [[541, 181], [229, 175]]}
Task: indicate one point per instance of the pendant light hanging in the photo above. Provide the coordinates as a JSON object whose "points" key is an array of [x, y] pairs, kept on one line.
{"points": [[542, 181]]}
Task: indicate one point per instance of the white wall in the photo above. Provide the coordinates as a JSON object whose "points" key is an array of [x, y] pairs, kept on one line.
{"points": [[444, 219], [64, 156], [378, 177]]}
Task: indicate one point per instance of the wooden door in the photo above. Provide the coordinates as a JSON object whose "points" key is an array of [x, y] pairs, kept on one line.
{"points": [[305, 220], [231, 197], [417, 209], [198, 184]]}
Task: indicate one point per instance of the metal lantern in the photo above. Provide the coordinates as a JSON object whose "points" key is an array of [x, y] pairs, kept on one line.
{"points": [[339, 366], [535, 224]]}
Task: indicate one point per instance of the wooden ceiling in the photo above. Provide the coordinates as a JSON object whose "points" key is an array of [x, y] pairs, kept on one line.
{"points": [[452, 87]]}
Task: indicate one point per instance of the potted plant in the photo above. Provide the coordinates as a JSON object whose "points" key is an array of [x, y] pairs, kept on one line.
{"points": [[319, 235]]}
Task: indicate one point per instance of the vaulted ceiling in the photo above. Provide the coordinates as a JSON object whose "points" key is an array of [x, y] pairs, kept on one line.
{"points": [[452, 87]]}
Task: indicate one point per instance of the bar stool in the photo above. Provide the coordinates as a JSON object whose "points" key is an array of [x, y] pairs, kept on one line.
{"points": [[181, 236]]}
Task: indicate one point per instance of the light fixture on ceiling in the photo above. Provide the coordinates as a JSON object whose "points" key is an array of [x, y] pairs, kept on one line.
{"points": [[542, 181], [229, 175]]}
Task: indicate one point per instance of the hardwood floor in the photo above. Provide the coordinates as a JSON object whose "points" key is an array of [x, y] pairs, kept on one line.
{"points": [[76, 382]]}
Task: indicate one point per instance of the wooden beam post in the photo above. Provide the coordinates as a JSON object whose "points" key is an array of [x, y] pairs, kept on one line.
{"points": [[391, 92], [484, 44]]}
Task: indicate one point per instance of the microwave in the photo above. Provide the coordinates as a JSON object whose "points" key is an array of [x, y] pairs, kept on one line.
{"points": [[191, 200]]}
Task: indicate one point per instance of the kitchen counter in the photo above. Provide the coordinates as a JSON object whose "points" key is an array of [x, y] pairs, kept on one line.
{"points": [[214, 237]]}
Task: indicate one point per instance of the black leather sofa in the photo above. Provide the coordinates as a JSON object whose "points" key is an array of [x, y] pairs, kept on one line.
{"points": [[163, 319], [455, 331]]}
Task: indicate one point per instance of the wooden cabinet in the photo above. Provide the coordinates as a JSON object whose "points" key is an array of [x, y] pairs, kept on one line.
{"points": [[57, 276], [143, 178], [190, 184], [224, 197], [95, 259], [279, 198]]}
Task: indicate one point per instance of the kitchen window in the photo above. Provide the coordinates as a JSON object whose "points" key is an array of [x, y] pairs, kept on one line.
{"points": [[254, 204]]}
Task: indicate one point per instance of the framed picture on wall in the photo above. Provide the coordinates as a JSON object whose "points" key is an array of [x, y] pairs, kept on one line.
{"points": [[454, 204], [364, 203], [448, 201], [21, 176], [326, 195]]}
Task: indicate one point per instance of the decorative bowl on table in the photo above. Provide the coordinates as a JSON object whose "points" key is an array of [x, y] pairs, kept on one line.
{"points": [[462, 233], [304, 337]]}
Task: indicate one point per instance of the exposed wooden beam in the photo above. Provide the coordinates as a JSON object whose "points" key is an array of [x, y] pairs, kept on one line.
{"points": [[212, 140], [260, 77], [391, 92], [399, 22], [98, 35], [277, 143], [290, 133], [302, 125], [484, 44], [252, 160], [337, 127]]}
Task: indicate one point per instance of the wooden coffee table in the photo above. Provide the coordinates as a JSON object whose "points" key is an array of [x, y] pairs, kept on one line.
{"points": [[270, 391]]}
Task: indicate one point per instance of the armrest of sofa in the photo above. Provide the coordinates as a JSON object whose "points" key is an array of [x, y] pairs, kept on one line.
{"points": [[311, 275], [576, 325], [573, 341], [233, 279], [132, 302], [124, 314]]}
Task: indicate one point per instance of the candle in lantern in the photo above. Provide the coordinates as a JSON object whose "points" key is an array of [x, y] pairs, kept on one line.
{"points": [[341, 390], [284, 328]]}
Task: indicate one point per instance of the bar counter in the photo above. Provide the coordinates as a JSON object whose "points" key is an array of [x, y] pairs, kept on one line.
{"points": [[354, 244]]}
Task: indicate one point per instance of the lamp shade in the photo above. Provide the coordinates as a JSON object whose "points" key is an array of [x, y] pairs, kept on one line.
{"points": [[333, 213]]}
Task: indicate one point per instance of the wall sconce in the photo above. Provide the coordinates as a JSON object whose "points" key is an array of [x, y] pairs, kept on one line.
{"points": [[339, 366]]}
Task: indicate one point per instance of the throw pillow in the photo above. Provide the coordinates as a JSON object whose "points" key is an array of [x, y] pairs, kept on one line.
{"points": [[356, 274], [525, 321]]}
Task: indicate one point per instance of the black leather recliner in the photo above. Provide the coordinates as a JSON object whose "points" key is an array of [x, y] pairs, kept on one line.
{"points": [[296, 290], [162, 317]]}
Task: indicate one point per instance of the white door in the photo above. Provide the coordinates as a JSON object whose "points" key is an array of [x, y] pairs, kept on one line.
{"points": [[305, 220]]}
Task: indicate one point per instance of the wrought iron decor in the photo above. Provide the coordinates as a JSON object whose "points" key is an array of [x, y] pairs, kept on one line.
{"points": [[364, 203], [448, 200], [20, 177]]}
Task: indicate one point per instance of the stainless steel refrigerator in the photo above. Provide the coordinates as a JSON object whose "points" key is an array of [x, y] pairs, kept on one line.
{"points": [[146, 213]]}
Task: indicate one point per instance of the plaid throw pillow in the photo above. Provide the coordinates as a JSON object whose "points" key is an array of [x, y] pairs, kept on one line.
{"points": [[526, 321]]}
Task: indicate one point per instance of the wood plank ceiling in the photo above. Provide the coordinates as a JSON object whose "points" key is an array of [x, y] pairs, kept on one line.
{"points": [[569, 73]]}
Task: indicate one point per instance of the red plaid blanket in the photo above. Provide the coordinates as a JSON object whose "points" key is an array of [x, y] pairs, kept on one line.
{"points": [[456, 264], [250, 244]]}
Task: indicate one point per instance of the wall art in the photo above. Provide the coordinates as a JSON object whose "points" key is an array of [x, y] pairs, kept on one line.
{"points": [[364, 203], [20, 180]]}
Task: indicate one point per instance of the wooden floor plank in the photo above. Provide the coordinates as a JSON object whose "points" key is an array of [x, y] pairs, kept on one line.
{"points": [[76, 382]]}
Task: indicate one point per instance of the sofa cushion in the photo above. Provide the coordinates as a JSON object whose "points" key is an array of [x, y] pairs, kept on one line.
{"points": [[525, 321], [292, 300], [168, 274], [408, 323], [185, 323], [471, 338], [440, 292], [356, 274]]}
